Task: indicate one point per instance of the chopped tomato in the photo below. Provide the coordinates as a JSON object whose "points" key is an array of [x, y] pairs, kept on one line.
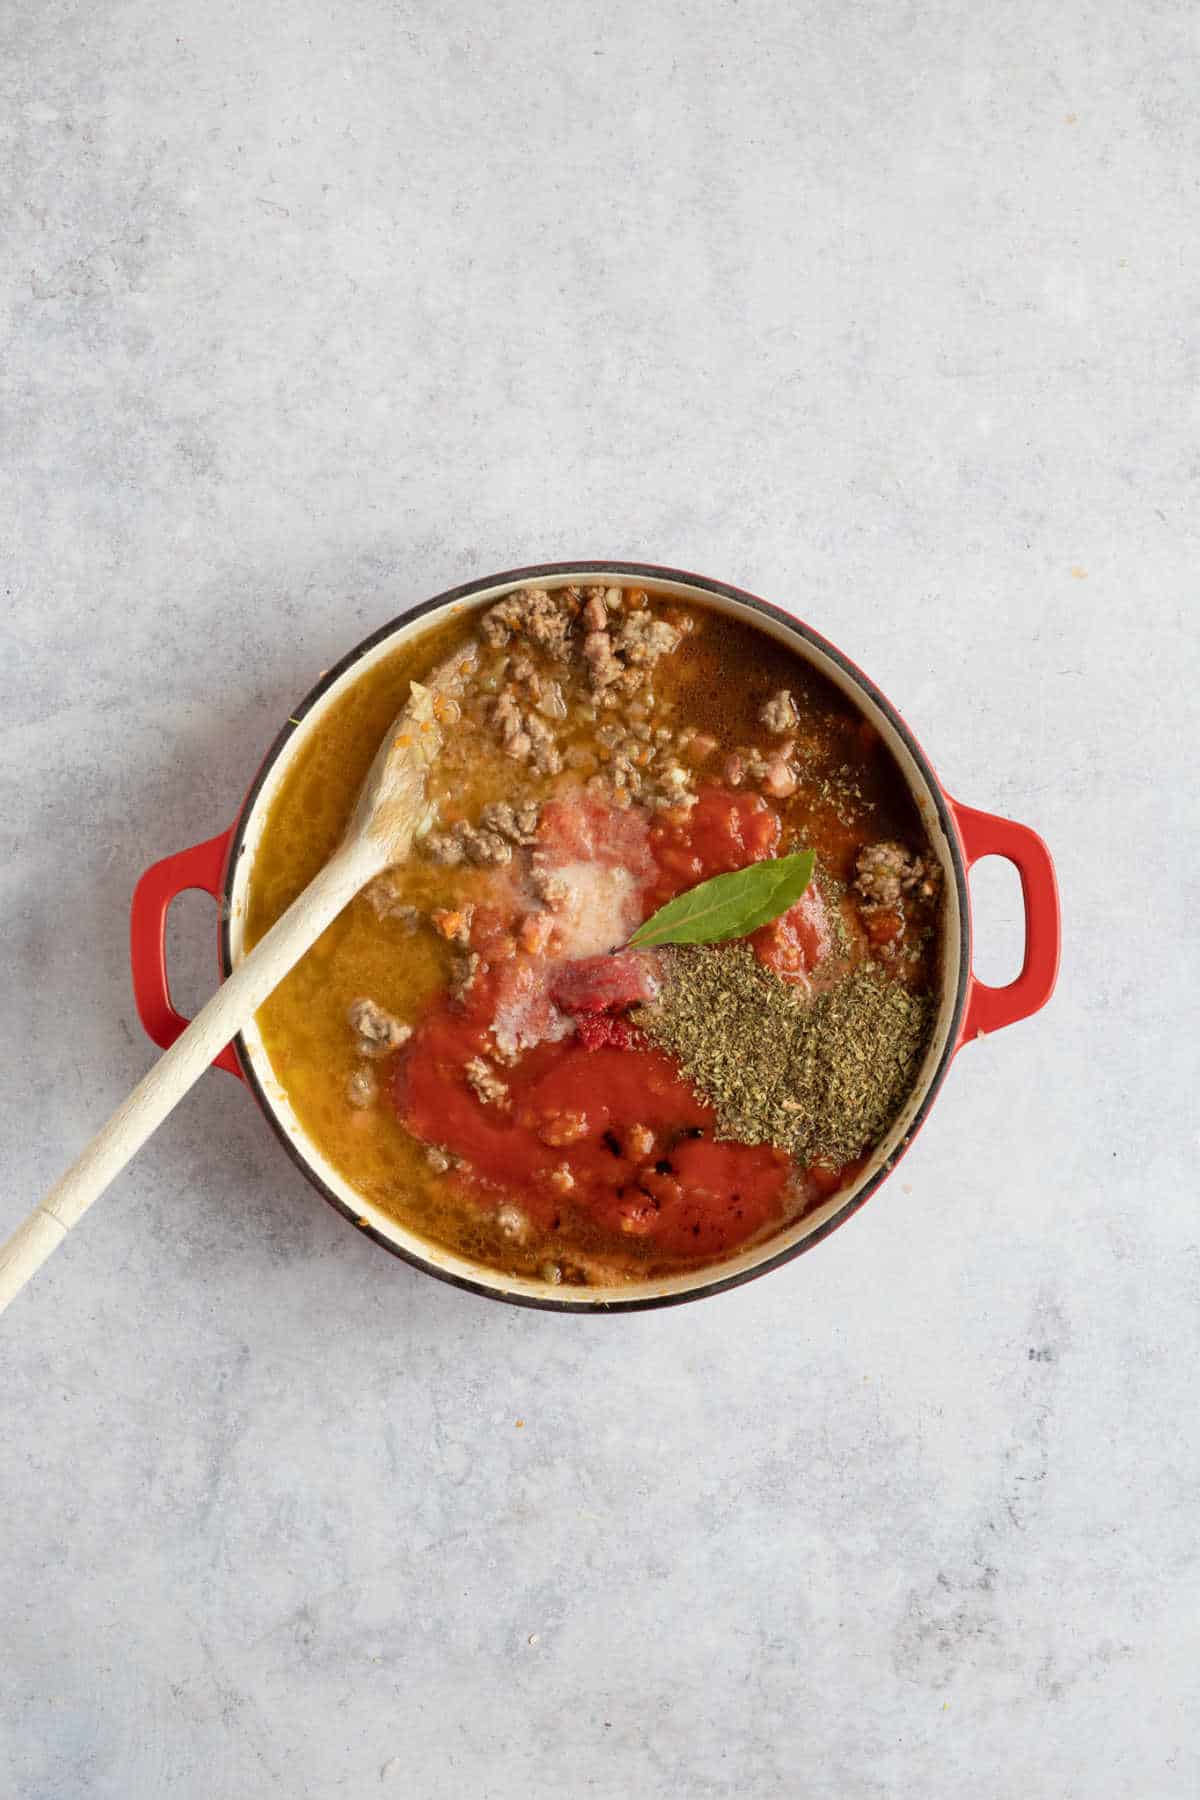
{"points": [[601, 1031], [515, 1001], [596, 984], [727, 830], [491, 933], [723, 831], [581, 827], [794, 943]]}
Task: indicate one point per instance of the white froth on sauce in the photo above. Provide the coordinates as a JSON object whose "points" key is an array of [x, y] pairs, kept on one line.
{"points": [[600, 910]]}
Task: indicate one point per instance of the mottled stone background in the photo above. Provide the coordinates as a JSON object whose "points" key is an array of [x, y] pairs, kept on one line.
{"points": [[888, 312]]}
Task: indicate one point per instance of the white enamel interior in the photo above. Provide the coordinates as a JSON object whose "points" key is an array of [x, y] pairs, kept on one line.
{"points": [[675, 1285]]}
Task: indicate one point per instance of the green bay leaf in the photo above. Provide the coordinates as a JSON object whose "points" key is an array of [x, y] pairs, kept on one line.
{"points": [[728, 906]]}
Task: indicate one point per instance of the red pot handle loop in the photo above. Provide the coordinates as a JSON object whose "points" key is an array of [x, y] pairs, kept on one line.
{"points": [[200, 867], [991, 1008]]}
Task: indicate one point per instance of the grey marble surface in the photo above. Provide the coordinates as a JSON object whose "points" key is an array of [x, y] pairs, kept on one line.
{"points": [[888, 313]]}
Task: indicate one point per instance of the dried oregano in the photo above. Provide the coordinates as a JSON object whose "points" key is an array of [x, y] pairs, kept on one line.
{"points": [[821, 1076]]}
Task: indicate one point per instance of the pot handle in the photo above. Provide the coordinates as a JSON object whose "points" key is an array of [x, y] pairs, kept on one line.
{"points": [[200, 867], [991, 1008]]}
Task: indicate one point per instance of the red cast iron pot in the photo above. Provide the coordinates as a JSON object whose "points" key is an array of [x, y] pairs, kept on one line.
{"points": [[968, 1009]]}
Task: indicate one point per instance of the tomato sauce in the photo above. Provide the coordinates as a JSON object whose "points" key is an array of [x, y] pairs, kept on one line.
{"points": [[608, 1136], [722, 832]]}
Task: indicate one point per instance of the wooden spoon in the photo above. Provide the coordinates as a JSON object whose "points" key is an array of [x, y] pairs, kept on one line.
{"points": [[391, 810]]}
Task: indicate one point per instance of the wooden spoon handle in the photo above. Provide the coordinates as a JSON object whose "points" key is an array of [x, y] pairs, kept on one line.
{"points": [[160, 1091]]}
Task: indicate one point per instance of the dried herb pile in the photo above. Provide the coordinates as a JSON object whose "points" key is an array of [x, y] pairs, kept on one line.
{"points": [[822, 1077]]}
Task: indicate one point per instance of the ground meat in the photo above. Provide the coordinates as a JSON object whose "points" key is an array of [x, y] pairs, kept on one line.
{"points": [[509, 722], [384, 896], [443, 847], [754, 763], [496, 626], [595, 614], [501, 621], [780, 779], [643, 639], [636, 1217], [361, 1088], [463, 843], [621, 640], [539, 616], [624, 774], [378, 1033], [466, 966], [551, 702], [886, 871], [516, 823], [486, 848], [484, 1082], [548, 887], [603, 667], [501, 825], [544, 752], [513, 1223], [558, 1129], [547, 623], [642, 762], [438, 1159], [778, 713], [524, 735], [675, 808], [674, 782]]}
